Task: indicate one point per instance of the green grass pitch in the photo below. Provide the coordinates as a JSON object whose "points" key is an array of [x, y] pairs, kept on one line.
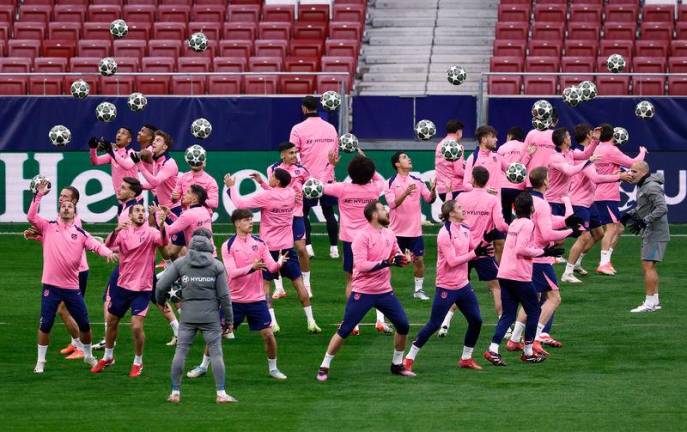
{"points": [[617, 371]]}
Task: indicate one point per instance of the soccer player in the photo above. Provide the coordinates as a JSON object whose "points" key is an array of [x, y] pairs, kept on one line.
{"points": [[374, 251], [317, 143], [245, 256], [118, 155], [200, 177], [204, 290], [136, 243], [162, 178], [63, 247], [607, 195], [513, 150], [454, 250], [276, 206], [403, 196], [449, 174], [543, 143], [195, 216]]}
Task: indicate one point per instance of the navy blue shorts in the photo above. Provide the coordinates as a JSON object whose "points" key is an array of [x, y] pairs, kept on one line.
{"points": [[359, 304], [298, 228], [608, 211], [544, 277], [486, 267], [325, 201], [500, 235], [51, 298], [507, 199], [257, 314], [291, 268], [557, 209], [112, 281], [120, 300], [83, 282], [415, 244], [178, 239], [444, 196], [589, 216], [347, 257]]}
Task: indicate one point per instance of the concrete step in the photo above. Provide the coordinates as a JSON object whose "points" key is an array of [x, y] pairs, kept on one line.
{"points": [[395, 77], [401, 22], [405, 4], [380, 50], [393, 87], [471, 50], [399, 68], [400, 31], [484, 40], [403, 41], [381, 59]]}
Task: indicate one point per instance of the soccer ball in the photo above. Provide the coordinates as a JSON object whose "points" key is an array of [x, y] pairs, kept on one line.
{"points": [[198, 42], [118, 28], [542, 109], [541, 125], [330, 100], [313, 188], [645, 110], [456, 75], [451, 150], [107, 66], [37, 180], [516, 173], [201, 128], [80, 89], [137, 101], [425, 130], [572, 96], [620, 135], [60, 136], [348, 143], [105, 111], [587, 90], [616, 63], [175, 292], [195, 155]]}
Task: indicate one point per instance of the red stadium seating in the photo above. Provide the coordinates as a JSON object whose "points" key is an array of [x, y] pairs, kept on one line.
{"points": [[515, 12], [260, 85], [239, 31], [301, 64], [274, 30], [507, 64], [59, 48], [343, 48], [622, 47], [582, 48], [15, 64], [677, 65], [271, 48], [296, 84], [678, 48], [103, 13], [153, 85], [613, 85], [235, 48], [541, 64], [208, 13], [545, 48], [681, 30], [128, 64], [35, 13], [316, 13], [164, 48], [13, 86], [656, 31], [130, 48], [70, 13], [173, 13], [511, 30], [29, 30], [188, 85], [210, 52], [651, 48], [194, 64], [554, 13], [620, 30], [213, 30], [548, 31], [7, 13], [569, 80], [509, 48], [349, 12], [677, 86], [649, 64], [243, 13], [23, 48], [682, 12], [504, 85], [578, 64], [224, 85], [584, 31], [664, 13], [540, 85], [139, 13], [306, 48], [654, 86], [44, 86], [94, 48], [278, 13], [326, 83], [309, 30], [50, 64], [229, 64], [83, 64], [71, 31], [590, 13], [626, 13], [158, 64], [139, 30], [117, 85], [170, 30], [265, 64]]}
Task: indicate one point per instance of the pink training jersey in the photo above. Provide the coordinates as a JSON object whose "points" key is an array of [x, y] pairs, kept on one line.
{"points": [[545, 147], [514, 151], [583, 185], [453, 254], [162, 180], [516, 260], [276, 214], [315, 138], [83, 266], [238, 254], [122, 165], [63, 248], [482, 212], [188, 221], [202, 179], [352, 200], [449, 174], [370, 248], [561, 168], [299, 175], [547, 228], [609, 162], [406, 219], [137, 246], [493, 162]]}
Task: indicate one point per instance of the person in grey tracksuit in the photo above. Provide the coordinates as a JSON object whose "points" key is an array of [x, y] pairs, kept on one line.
{"points": [[649, 218], [203, 292]]}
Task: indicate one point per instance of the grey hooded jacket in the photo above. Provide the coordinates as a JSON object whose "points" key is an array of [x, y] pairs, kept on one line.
{"points": [[203, 281], [652, 209]]}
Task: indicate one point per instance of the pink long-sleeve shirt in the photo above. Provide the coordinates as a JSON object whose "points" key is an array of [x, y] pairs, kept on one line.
{"points": [[547, 227], [162, 180], [583, 185], [406, 219], [63, 248], [188, 221], [137, 246], [453, 253], [490, 160], [514, 151], [609, 162], [122, 165], [83, 266], [482, 213], [372, 246], [276, 214], [561, 168], [516, 260], [315, 138], [545, 147], [352, 200], [202, 179], [238, 254], [299, 175], [448, 172]]}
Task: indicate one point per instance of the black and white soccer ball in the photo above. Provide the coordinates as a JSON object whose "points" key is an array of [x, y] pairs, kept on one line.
{"points": [[198, 42], [201, 128], [137, 101], [456, 75], [80, 89], [118, 28], [176, 290], [348, 143], [616, 63], [542, 109], [541, 125], [587, 90], [60, 136], [105, 111], [572, 96], [330, 100], [425, 130], [516, 173], [195, 155], [107, 66], [37, 180], [620, 135], [313, 188], [451, 150], [645, 110]]}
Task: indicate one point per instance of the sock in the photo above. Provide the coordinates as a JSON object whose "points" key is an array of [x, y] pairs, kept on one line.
{"points": [[397, 359], [308, 314], [272, 363], [610, 254], [42, 351], [467, 353], [413, 352], [493, 347], [528, 349], [447, 319], [273, 317], [327, 361], [222, 393], [518, 329], [306, 278], [418, 283], [87, 350], [333, 249], [278, 284], [310, 250], [540, 329], [655, 296], [75, 342], [380, 316], [175, 327], [138, 360], [569, 269], [605, 258], [206, 362], [109, 353], [579, 261], [176, 392]]}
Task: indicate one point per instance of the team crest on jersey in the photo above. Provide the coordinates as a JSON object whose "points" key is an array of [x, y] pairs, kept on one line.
{"points": [[73, 236], [254, 247], [356, 296], [388, 243], [46, 293], [444, 295]]}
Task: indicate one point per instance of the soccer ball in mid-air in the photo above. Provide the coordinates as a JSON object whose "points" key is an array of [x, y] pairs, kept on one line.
{"points": [[572, 96], [620, 135], [616, 63], [425, 130], [645, 110], [330, 100], [201, 128], [37, 180], [313, 188], [542, 109], [587, 90], [60, 136], [198, 42], [195, 155], [348, 143], [451, 150], [137, 101], [456, 75], [541, 125], [80, 89], [516, 173], [107, 66], [118, 28], [105, 111]]}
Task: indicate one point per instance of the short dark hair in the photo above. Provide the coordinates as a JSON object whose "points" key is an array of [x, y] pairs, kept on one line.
{"points": [[131, 134], [446, 209], [131, 208], [453, 126], [395, 158], [538, 176], [370, 209], [516, 133], [166, 137], [200, 192], [606, 132], [480, 176], [484, 131], [203, 232], [283, 176], [523, 205], [134, 184], [75, 193], [241, 213], [310, 103], [361, 169], [151, 127], [558, 136], [581, 132], [285, 146]]}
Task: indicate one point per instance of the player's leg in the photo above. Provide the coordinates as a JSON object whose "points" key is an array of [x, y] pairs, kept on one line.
{"points": [[578, 247], [468, 305], [76, 306], [608, 216], [495, 289], [72, 351], [271, 350], [307, 205], [185, 338], [327, 204], [50, 300], [443, 300], [510, 308], [389, 305], [446, 323], [139, 310], [303, 257], [292, 270], [527, 296], [416, 245], [498, 249], [118, 303], [652, 253], [212, 333], [267, 277], [545, 282]]}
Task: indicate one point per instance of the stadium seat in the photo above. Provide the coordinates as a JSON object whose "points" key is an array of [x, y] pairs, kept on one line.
{"points": [[345, 30], [544, 48], [654, 86], [152, 85], [541, 64], [7, 13], [620, 30], [84, 64], [651, 48], [128, 64], [649, 64], [238, 48], [12, 86], [45, 86], [130, 48], [509, 48], [117, 85], [343, 48], [50, 64], [140, 30], [158, 64], [349, 12], [29, 30], [265, 64], [59, 48], [570, 80], [4, 31], [3, 48], [173, 13], [260, 85], [210, 52], [678, 48], [514, 12], [656, 31], [208, 13], [613, 85], [15, 64], [677, 86], [506, 85], [677, 65], [312, 31], [93, 82], [176, 2], [270, 48], [626, 13], [35, 13], [306, 48], [320, 13], [682, 12], [239, 31], [578, 64], [188, 85], [278, 13], [103, 13], [548, 31], [224, 85], [622, 47], [590, 13], [69, 13], [57, 30], [106, 2], [194, 64], [302, 64], [511, 31], [302, 85], [139, 14], [326, 83], [213, 30], [507, 64], [579, 48], [553, 13], [664, 13], [338, 64], [243, 13], [229, 64], [96, 30], [23, 48], [584, 31], [94, 48], [681, 30], [169, 30], [164, 48], [274, 30]]}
